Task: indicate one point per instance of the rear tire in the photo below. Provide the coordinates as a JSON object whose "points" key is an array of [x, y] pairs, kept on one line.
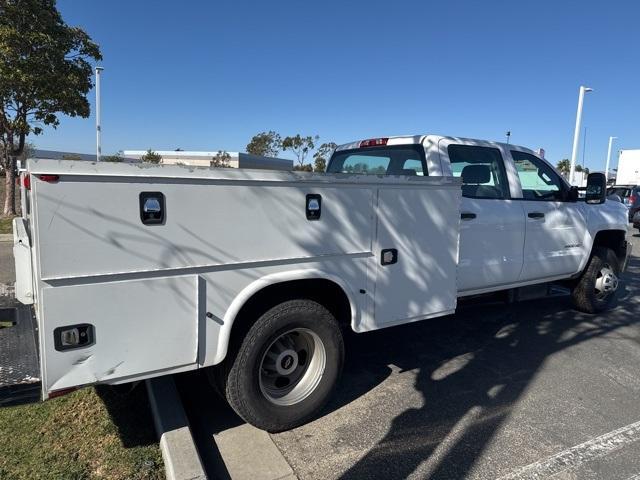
{"points": [[595, 290], [285, 368]]}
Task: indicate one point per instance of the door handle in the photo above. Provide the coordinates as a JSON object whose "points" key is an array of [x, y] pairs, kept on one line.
{"points": [[535, 215], [467, 216]]}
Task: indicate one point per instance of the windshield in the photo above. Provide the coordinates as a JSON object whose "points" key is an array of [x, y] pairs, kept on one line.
{"points": [[387, 160]]}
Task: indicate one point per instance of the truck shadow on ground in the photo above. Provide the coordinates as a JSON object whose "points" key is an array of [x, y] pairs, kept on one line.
{"points": [[471, 369], [128, 408]]}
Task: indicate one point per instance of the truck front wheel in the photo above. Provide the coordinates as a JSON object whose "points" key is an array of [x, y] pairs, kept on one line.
{"points": [[286, 367], [595, 290]]}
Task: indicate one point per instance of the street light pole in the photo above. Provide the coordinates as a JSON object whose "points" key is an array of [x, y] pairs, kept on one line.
{"points": [[606, 168], [576, 133], [98, 144]]}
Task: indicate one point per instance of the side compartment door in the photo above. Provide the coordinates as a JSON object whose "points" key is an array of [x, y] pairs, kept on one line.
{"points": [[128, 328], [556, 229], [416, 251], [491, 223]]}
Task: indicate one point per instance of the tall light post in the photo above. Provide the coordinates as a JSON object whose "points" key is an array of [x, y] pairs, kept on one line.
{"points": [[576, 133], [98, 145], [606, 168]]}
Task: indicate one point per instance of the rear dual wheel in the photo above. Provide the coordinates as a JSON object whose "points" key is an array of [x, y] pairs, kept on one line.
{"points": [[285, 368]]}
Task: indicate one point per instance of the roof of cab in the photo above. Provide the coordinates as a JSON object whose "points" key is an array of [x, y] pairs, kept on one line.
{"points": [[417, 139]]}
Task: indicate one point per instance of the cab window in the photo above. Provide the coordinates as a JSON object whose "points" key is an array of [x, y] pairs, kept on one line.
{"points": [[481, 169], [539, 181], [387, 160]]}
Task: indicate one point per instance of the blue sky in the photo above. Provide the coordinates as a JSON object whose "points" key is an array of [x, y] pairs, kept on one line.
{"points": [[203, 75]]}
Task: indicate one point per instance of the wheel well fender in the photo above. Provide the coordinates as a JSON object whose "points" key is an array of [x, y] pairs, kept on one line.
{"points": [[613, 239], [266, 292]]}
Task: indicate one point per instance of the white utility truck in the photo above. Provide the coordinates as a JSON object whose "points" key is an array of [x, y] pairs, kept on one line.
{"points": [[136, 271]]}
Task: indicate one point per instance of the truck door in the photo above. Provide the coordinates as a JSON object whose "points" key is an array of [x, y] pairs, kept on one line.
{"points": [[555, 228], [491, 223]]}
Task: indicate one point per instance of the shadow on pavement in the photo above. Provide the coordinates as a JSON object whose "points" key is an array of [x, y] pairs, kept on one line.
{"points": [[208, 415], [471, 369]]}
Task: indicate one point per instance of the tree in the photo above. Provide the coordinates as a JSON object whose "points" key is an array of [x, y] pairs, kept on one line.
{"points": [[564, 166], [303, 168], [221, 159], [300, 146], [322, 155], [44, 72], [151, 157], [115, 158], [267, 144]]}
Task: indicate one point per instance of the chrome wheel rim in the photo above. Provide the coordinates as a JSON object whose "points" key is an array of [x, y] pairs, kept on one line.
{"points": [[606, 282], [292, 367]]}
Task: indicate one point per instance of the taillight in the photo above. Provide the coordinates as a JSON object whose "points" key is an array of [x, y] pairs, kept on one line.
{"points": [[49, 178], [632, 200], [26, 181], [374, 142]]}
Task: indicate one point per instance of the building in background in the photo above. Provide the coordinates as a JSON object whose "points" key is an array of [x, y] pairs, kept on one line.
{"points": [[204, 159], [56, 155]]}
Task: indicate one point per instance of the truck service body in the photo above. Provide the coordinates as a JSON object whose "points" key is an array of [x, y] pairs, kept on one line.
{"points": [[137, 271]]}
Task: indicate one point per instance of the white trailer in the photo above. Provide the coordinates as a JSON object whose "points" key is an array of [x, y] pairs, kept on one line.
{"points": [[628, 168], [136, 270]]}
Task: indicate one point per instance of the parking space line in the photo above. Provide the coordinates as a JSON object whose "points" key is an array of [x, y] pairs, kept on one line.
{"points": [[578, 455]]}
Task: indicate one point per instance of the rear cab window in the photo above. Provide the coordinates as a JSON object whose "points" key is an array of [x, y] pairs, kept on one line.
{"points": [[481, 170], [384, 160]]}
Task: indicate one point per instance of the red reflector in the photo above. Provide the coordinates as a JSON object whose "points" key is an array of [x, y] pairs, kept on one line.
{"points": [[59, 393], [374, 142], [26, 181], [49, 178]]}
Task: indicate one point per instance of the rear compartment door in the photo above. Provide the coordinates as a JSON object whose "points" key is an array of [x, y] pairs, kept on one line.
{"points": [[138, 327]]}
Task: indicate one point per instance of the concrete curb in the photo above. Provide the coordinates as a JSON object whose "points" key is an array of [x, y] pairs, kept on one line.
{"points": [[6, 237], [181, 459], [250, 454]]}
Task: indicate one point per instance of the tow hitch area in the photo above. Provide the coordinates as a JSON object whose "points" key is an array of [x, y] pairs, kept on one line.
{"points": [[19, 364]]}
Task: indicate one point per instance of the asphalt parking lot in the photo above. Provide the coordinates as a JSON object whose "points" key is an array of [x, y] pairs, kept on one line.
{"points": [[527, 390]]}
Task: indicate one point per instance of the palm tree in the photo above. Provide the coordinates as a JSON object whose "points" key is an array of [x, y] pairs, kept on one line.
{"points": [[564, 166]]}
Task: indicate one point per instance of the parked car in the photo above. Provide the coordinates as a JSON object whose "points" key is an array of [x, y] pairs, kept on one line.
{"points": [[630, 195], [139, 270]]}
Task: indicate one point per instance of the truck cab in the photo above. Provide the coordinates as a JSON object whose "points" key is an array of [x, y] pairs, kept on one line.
{"points": [[520, 221]]}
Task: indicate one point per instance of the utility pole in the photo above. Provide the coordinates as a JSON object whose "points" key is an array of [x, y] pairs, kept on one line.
{"points": [[508, 136], [584, 147], [98, 127], [606, 168], [576, 133]]}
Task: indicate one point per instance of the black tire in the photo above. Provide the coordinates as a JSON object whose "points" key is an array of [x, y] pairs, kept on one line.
{"points": [[584, 294], [241, 377]]}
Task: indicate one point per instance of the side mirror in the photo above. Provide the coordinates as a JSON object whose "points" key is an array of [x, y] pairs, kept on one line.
{"points": [[596, 188], [572, 194]]}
